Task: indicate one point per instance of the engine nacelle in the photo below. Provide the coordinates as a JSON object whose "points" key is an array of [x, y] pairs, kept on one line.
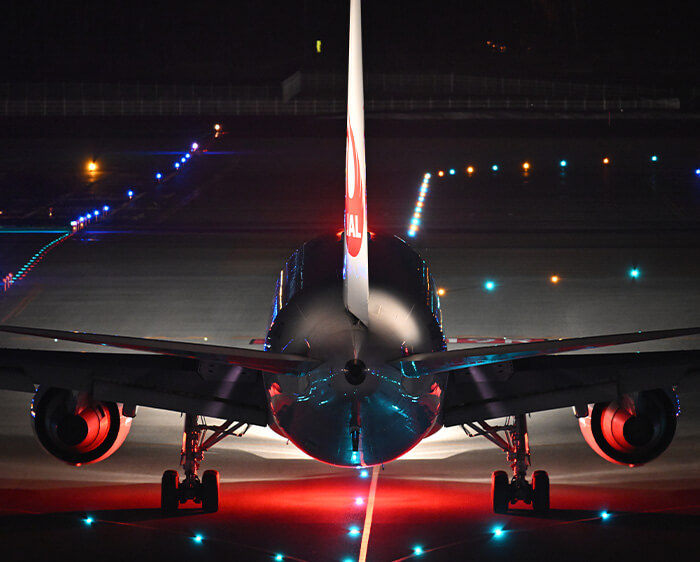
{"points": [[75, 428], [634, 430]]}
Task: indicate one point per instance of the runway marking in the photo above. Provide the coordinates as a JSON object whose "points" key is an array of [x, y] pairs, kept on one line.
{"points": [[368, 515]]}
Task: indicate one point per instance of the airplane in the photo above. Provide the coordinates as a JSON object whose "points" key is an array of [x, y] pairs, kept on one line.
{"points": [[355, 369]]}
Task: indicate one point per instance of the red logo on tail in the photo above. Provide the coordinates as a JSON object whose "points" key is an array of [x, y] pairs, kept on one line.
{"points": [[354, 200]]}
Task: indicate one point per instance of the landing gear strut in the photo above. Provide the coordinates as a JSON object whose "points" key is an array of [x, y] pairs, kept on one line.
{"points": [[174, 491], [505, 492]]}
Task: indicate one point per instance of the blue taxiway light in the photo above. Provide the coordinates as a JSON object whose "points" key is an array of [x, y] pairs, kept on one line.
{"points": [[177, 164], [105, 208], [130, 193], [697, 171], [159, 176]]}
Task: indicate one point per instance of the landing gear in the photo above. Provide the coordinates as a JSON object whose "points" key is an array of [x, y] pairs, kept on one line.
{"points": [[173, 492], [515, 444]]}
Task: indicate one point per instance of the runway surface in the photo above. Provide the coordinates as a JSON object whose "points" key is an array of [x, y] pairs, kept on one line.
{"points": [[195, 259]]}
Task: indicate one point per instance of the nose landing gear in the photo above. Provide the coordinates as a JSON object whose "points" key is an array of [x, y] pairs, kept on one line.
{"points": [[505, 492]]}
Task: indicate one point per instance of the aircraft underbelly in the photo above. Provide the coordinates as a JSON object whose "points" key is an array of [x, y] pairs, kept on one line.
{"points": [[320, 421]]}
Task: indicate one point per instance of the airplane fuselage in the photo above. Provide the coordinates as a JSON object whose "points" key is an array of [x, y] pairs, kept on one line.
{"points": [[355, 409]]}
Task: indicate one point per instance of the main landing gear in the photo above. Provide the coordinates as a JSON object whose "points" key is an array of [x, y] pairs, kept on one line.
{"points": [[174, 491], [505, 492]]}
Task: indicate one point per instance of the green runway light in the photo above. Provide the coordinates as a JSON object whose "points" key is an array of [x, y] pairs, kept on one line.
{"points": [[634, 273], [417, 550], [489, 285]]}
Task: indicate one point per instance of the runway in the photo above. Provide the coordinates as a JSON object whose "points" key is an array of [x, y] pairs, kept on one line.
{"points": [[195, 259]]}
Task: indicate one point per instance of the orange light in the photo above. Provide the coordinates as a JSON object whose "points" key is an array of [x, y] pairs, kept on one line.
{"points": [[441, 292], [419, 204], [217, 127], [441, 173], [606, 160], [92, 166], [470, 170], [554, 279], [526, 166]]}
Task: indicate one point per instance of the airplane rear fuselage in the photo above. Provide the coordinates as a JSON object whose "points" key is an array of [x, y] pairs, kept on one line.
{"points": [[355, 409]]}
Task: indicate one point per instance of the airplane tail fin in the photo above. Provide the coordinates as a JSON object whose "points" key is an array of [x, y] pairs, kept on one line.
{"points": [[355, 273]]}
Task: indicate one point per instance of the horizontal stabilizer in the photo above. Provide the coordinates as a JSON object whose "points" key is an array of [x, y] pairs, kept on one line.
{"points": [[277, 363], [439, 362]]}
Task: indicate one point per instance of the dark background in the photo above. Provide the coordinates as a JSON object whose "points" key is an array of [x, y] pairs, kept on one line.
{"points": [[256, 41]]}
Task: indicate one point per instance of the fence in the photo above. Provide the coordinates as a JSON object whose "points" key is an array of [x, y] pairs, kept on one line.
{"points": [[455, 85], [224, 107]]}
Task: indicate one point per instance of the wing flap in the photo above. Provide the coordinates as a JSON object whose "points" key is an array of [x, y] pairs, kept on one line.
{"points": [[157, 381], [557, 381]]}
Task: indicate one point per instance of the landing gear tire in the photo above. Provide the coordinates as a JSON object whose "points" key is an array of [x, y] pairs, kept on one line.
{"points": [[540, 492], [169, 497], [210, 491], [500, 491]]}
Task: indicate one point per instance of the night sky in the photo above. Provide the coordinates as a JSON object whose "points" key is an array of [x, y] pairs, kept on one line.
{"points": [[248, 41]]}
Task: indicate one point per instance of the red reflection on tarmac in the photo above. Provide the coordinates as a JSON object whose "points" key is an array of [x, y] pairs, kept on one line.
{"points": [[308, 519]]}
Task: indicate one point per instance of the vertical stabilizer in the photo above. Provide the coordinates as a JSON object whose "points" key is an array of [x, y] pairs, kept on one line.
{"points": [[356, 284]]}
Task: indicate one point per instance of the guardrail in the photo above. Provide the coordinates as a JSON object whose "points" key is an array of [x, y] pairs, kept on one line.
{"points": [[167, 107]]}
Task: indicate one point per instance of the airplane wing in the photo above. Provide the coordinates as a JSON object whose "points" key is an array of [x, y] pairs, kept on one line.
{"points": [[557, 381], [217, 381], [445, 361], [505, 380]]}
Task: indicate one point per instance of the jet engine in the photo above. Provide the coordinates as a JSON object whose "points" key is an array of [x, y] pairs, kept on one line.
{"points": [[633, 430], [75, 428]]}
